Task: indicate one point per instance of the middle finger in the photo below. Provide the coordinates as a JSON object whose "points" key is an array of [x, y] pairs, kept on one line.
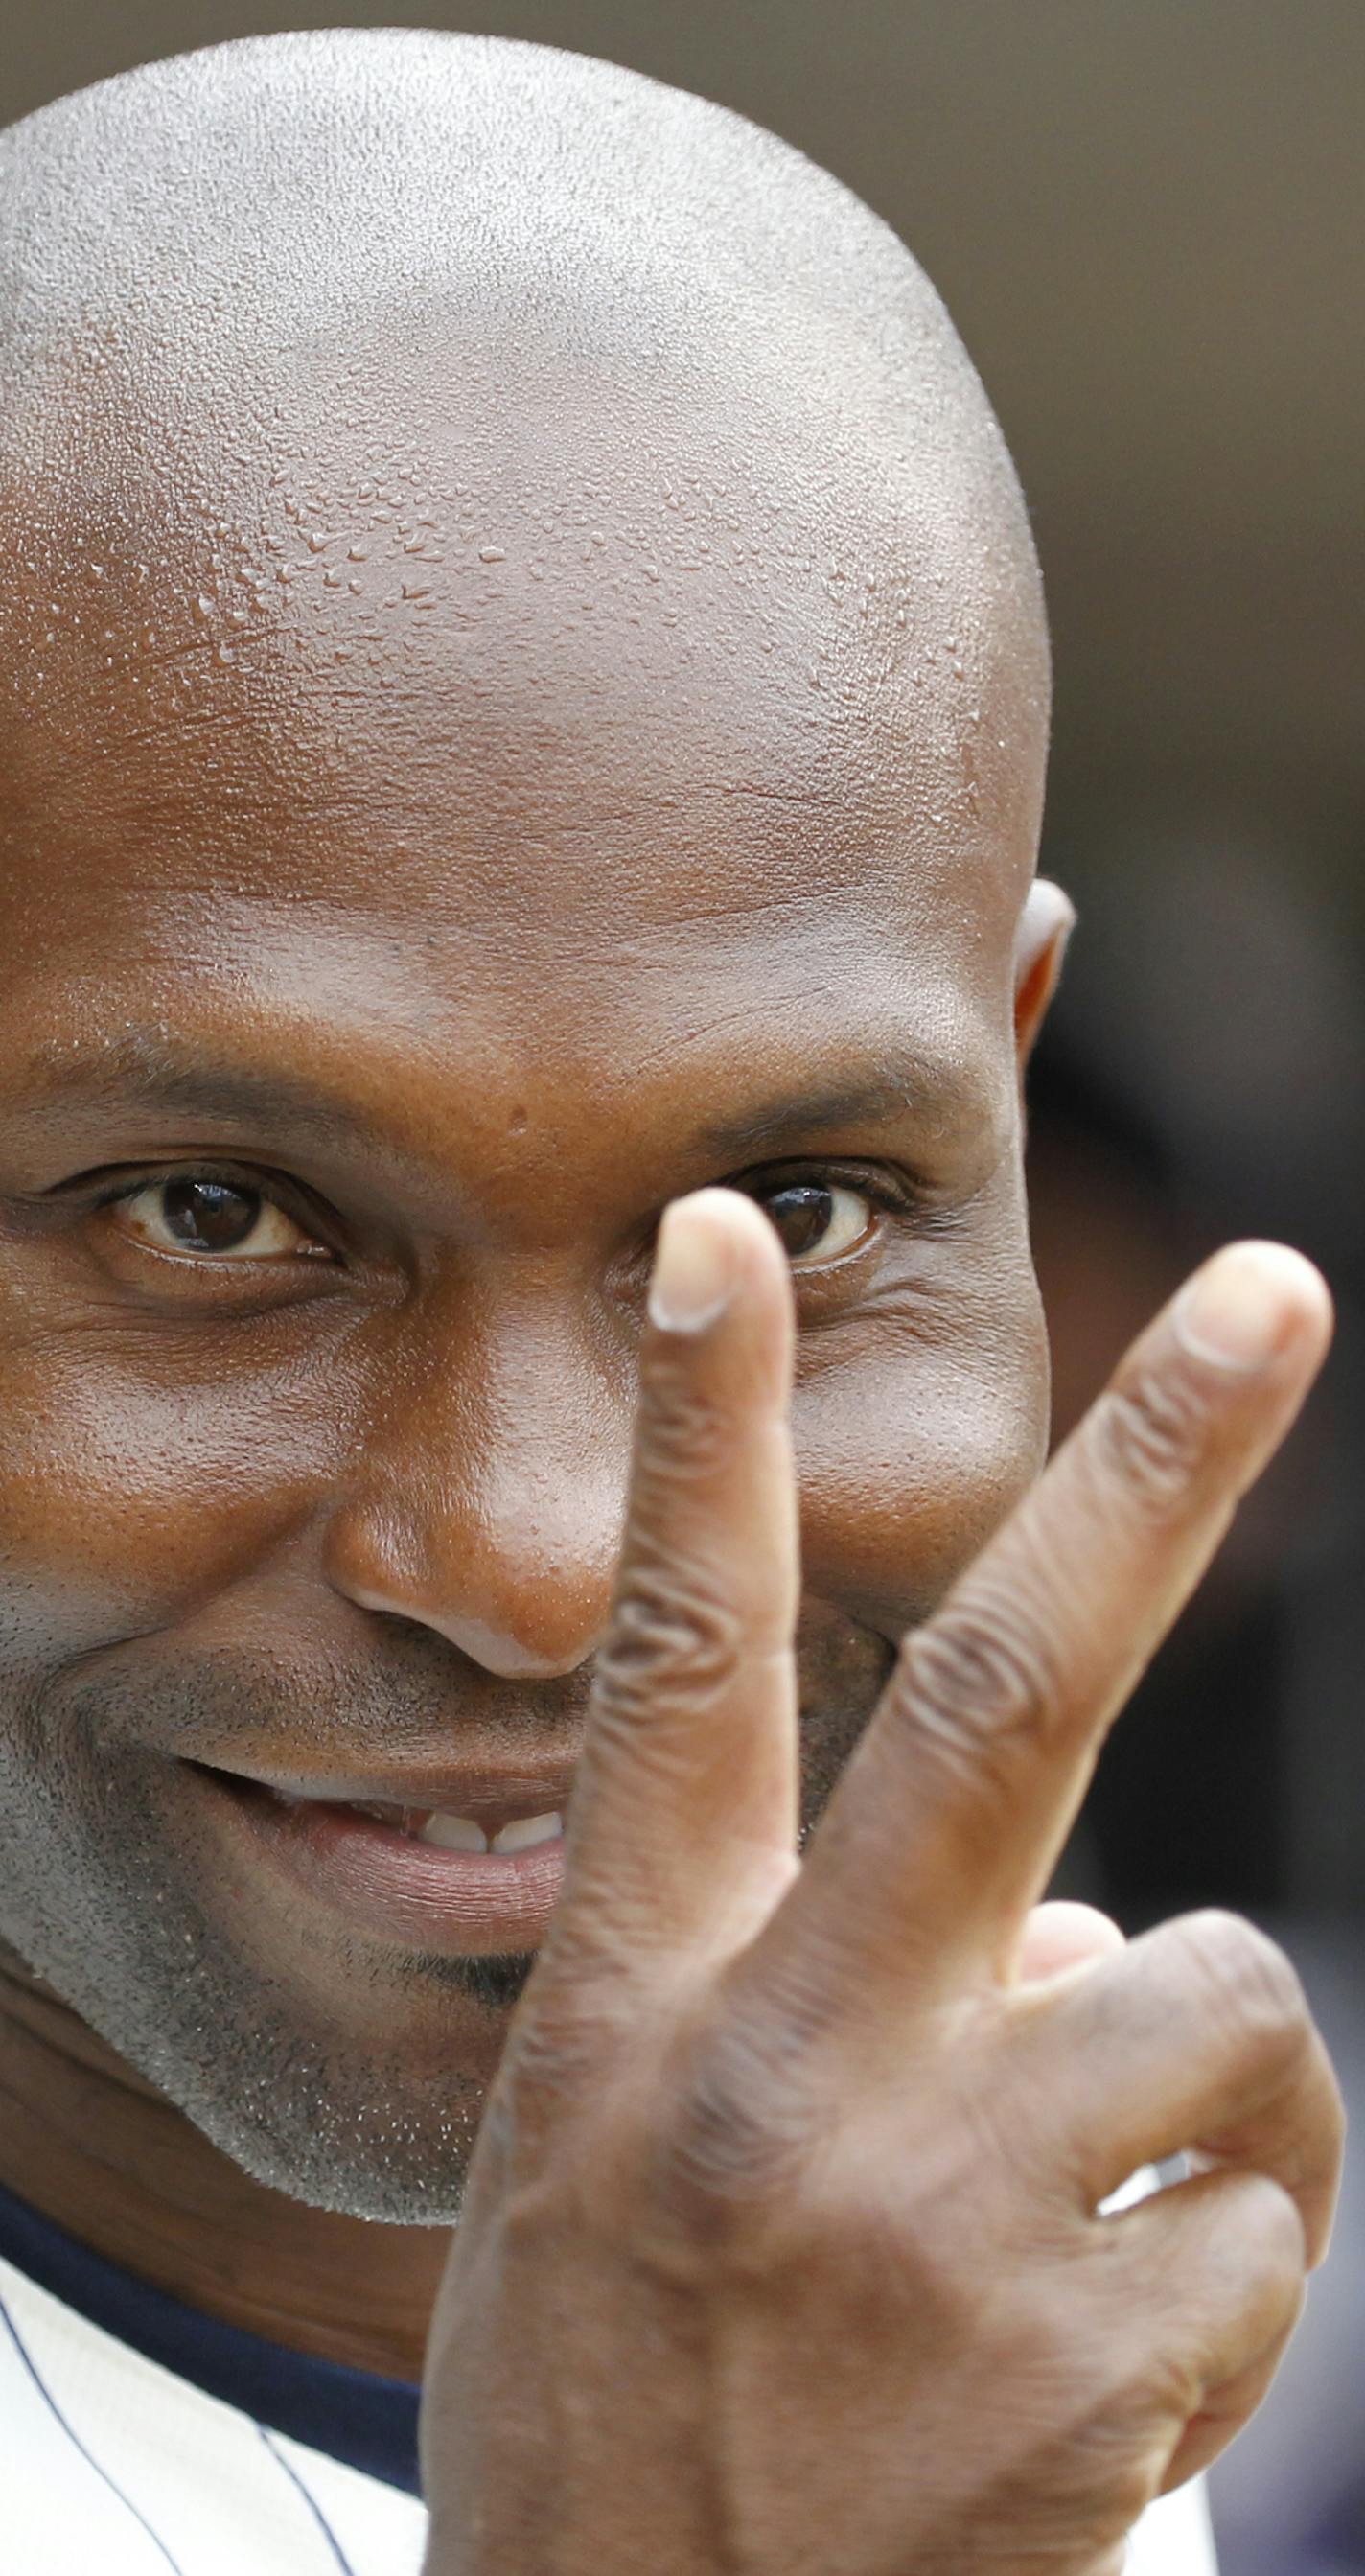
{"points": [[950, 1817]]}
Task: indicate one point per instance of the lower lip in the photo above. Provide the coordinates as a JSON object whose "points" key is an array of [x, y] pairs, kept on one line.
{"points": [[456, 1903]]}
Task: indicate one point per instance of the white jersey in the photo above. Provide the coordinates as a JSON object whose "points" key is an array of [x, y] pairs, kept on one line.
{"points": [[142, 2439]]}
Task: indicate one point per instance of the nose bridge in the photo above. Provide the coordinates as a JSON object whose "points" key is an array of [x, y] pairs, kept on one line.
{"points": [[487, 1496]]}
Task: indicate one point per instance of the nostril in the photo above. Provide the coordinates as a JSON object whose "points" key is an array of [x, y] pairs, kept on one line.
{"points": [[516, 1658], [560, 1647]]}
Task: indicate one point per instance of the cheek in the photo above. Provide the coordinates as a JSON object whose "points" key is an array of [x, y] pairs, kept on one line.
{"points": [[909, 1458], [123, 1501]]}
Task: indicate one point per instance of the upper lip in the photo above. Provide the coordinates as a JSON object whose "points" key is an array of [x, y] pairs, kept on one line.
{"points": [[486, 1796]]}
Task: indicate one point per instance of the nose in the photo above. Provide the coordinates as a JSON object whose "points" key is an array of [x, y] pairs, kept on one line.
{"points": [[487, 1505]]}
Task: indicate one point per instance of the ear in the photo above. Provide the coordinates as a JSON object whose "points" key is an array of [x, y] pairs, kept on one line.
{"points": [[1045, 926]]}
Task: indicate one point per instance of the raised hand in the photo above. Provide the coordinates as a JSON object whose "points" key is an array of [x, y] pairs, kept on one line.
{"points": [[782, 2252]]}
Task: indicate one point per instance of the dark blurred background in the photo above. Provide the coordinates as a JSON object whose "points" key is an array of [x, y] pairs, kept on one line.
{"points": [[1148, 218]]}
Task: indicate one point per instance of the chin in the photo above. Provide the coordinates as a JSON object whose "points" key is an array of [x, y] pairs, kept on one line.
{"points": [[372, 2163], [370, 2113], [366, 2137]]}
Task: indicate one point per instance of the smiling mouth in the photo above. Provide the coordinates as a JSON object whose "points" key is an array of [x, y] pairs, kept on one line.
{"points": [[473, 1871]]}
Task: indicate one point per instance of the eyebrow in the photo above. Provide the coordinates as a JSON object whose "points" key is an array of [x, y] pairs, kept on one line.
{"points": [[140, 1063], [893, 1090]]}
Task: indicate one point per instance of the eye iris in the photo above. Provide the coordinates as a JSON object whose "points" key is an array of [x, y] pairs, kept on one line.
{"points": [[802, 1213], [209, 1216]]}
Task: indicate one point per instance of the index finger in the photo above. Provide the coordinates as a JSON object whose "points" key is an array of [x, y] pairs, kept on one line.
{"points": [[682, 1829], [951, 1815]]}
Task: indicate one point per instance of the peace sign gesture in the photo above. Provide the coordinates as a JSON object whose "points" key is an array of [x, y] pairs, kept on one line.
{"points": [[782, 2251]]}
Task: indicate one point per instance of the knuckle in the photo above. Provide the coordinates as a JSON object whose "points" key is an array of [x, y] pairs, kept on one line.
{"points": [[720, 2158], [1151, 1431], [689, 1433], [979, 1681], [737, 2144], [1249, 1983], [671, 1623]]}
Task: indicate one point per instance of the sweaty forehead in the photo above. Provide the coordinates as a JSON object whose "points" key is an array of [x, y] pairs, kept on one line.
{"points": [[506, 545], [507, 635]]}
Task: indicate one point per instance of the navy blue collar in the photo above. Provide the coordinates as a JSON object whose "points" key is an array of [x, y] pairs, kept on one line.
{"points": [[351, 2415]]}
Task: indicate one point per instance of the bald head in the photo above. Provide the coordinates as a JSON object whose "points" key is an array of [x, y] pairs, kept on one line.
{"points": [[297, 196], [215, 260]]}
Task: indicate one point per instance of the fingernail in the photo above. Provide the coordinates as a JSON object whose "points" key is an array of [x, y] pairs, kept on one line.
{"points": [[1235, 1310], [693, 1269]]}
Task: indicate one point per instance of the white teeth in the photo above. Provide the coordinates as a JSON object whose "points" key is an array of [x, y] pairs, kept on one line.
{"points": [[526, 1830], [454, 1833], [460, 1833]]}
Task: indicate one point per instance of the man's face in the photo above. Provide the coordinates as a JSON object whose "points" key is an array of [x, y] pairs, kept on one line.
{"points": [[409, 887]]}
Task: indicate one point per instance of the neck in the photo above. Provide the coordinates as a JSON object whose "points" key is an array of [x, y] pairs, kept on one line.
{"points": [[90, 2144]]}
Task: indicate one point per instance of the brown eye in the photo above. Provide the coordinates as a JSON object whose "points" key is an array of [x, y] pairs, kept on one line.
{"points": [[207, 1217], [817, 1220]]}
